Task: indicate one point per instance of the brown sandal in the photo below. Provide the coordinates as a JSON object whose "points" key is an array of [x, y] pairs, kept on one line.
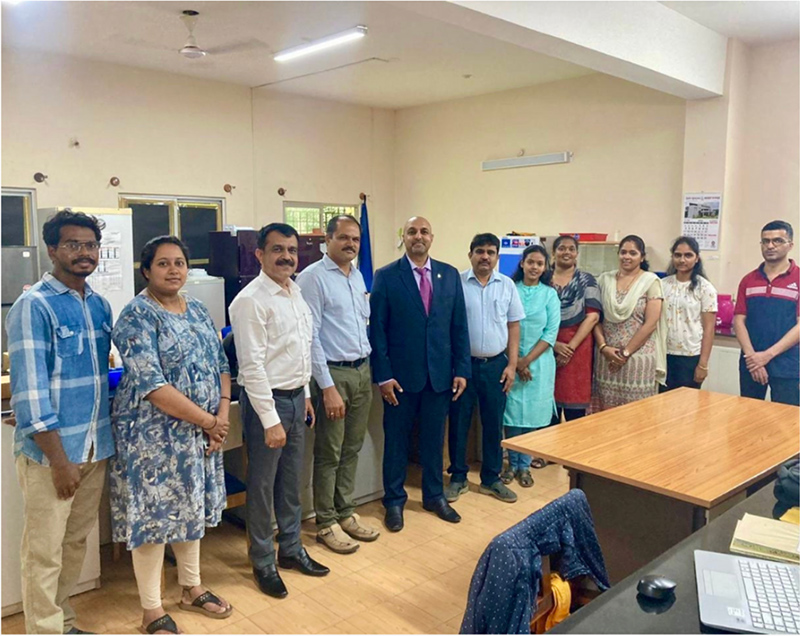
{"points": [[206, 597]]}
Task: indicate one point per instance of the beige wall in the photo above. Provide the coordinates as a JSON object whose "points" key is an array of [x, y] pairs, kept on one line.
{"points": [[771, 151], [625, 176], [169, 134], [636, 151], [159, 133], [746, 145], [323, 151]]}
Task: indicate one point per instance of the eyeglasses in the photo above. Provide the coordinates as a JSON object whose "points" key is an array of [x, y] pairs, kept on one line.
{"points": [[777, 242], [75, 246]]}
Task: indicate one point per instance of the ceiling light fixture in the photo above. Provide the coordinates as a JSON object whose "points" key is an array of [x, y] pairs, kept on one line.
{"points": [[355, 33]]}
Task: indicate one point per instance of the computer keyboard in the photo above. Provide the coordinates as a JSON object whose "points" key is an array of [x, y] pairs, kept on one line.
{"points": [[772, 596]]}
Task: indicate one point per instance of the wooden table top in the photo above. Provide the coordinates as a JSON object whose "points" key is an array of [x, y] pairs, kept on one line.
{"points": [[695, 446]]}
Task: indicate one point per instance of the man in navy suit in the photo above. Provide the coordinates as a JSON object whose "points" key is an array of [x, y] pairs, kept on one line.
{"points": [[421, 361]]}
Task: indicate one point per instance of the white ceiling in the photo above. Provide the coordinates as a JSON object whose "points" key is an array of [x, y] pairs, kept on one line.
{"points": [[751, 22], [405, 60]]}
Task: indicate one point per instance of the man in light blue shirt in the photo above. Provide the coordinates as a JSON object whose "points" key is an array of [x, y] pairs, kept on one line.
{"points": [[334, 290], [494, 310]]}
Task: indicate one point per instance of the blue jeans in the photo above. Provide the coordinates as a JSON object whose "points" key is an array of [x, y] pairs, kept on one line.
{"points": [[518, 461]]}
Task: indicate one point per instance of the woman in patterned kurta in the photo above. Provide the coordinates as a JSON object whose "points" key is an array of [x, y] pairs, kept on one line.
{"points": [[530, 403], [630, 360], [170, 417]]}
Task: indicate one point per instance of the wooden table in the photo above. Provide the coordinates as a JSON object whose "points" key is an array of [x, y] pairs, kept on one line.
{"points": [[656, 470]]}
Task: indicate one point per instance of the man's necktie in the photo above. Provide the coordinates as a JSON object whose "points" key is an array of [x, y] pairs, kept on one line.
{"points": [[425, 289]]}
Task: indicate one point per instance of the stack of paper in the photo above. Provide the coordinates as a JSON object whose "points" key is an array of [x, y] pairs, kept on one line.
{"points": [[766, 539]]}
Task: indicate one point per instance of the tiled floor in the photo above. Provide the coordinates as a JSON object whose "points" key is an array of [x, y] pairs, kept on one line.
{"points": [[411, 582]]}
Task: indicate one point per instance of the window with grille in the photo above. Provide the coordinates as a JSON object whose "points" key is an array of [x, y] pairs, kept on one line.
{"points": [[312, 218]]}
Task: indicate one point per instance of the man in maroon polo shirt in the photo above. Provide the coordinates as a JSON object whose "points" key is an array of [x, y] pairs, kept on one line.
{"points": [[766, 321]]}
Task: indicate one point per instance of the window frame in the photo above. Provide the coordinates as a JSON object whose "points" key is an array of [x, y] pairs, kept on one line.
{"points": [[30, 221]]}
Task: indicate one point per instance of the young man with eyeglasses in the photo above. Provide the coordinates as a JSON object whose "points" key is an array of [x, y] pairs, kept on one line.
{"points": [[59, 335], [766, 321]]}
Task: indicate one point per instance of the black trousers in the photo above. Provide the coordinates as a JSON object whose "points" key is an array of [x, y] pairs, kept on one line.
{"points": [[485, 388], [783, 390], [398, 421], [680, 372], [569, 415]]}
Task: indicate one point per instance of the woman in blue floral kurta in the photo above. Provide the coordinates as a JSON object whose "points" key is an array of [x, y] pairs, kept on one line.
{"points": [[167, 480]]}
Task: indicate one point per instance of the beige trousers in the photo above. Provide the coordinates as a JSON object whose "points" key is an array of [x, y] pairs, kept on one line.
{"points": [[148, 560], [54, 542]]}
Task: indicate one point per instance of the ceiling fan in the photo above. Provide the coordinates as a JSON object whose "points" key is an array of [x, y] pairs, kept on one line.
{"points": [[193, 51], [190, 49]]}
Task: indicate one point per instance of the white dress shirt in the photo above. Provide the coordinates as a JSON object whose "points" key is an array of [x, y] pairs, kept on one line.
{"points": [[272, 330]]}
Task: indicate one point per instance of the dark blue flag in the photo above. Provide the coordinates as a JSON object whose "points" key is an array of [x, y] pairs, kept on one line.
{"points": [[365, 253]]}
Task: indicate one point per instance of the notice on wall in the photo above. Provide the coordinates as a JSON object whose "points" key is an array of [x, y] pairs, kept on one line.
{"points": [[701, 218], [511, 248], [108, 275]]}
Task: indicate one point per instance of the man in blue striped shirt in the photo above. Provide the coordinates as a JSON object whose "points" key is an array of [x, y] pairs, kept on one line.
{"points": [[59, 335]]}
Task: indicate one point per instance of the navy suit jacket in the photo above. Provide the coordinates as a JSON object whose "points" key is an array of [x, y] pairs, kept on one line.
{"points": [[409, 345]]}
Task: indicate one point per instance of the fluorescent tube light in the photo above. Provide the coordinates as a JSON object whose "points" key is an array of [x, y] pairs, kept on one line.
{"points": [[355, 33], [524, 162]]}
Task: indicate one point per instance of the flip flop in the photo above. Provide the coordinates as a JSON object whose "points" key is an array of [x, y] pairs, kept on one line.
{"points": [[206, 597], [165, 624], [538, 463]]}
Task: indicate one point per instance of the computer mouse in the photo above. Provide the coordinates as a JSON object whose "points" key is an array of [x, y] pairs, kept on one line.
{"points": [[656, 587]]}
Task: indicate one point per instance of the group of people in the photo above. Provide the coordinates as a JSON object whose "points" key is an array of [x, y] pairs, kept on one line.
{"points": [[548, 343]]}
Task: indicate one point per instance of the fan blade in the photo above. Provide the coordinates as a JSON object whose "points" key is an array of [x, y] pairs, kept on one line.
{"points": [[237, 47], [140, 43]]}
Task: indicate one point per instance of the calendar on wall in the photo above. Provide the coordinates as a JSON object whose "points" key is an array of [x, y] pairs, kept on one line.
{"points": [[701, 217]]}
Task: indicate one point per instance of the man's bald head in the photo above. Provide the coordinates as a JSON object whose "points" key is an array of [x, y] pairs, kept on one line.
{"points": [[417, 238], [418, 222]]}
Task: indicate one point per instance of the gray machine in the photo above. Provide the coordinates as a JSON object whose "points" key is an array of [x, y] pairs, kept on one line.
{"points": [[20, 270]]}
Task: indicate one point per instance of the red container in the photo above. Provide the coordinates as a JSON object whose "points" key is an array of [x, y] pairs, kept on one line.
{"points": [[584, 237]]}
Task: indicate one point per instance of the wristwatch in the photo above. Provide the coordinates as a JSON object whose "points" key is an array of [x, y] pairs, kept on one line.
{"points": [[625, 354]]}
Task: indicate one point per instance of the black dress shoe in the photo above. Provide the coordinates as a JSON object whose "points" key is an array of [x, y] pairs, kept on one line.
{"points": [[303, 563], [269, 581], [394, 518], [443, 510]]}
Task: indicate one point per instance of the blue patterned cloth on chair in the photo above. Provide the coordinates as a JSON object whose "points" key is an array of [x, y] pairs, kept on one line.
{"points": [[505, 583]]}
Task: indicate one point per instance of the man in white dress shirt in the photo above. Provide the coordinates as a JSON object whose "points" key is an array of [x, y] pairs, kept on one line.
{"points": [[272, 327]]}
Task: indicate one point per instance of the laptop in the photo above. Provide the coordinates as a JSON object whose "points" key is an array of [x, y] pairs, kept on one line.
{"points": [[740, 594]]}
